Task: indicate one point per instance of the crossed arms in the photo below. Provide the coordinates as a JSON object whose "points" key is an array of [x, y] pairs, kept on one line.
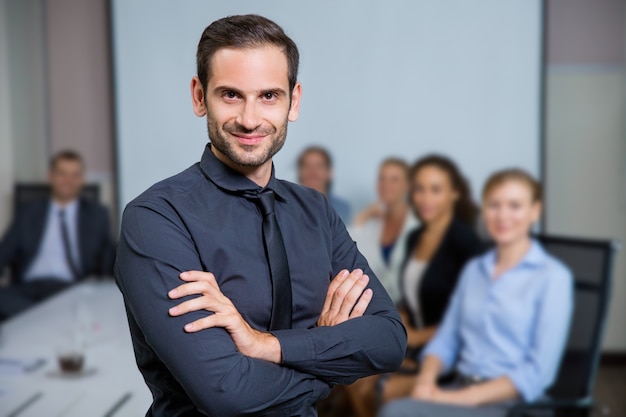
{"points": [[346, 299], [229, 368]]}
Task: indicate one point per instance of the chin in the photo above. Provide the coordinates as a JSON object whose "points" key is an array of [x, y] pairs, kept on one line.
{"points": [[252, 156], [505, 239], [429, 217]]}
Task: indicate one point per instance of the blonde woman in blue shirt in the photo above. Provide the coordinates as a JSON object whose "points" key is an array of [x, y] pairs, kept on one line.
{"points": [[505, 329]]}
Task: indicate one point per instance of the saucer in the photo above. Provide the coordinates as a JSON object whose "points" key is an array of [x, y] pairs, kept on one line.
{"points": [[71, 375]]}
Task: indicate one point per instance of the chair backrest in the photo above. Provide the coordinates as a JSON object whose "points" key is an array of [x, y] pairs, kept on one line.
{"points": [[591, 263], [23, 193]]}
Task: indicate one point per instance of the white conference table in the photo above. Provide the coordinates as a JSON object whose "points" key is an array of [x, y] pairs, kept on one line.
{"points": [[109, 385]]}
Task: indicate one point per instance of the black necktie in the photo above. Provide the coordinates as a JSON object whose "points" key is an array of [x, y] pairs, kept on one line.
{"points": [[277, 260], [65, 235]]}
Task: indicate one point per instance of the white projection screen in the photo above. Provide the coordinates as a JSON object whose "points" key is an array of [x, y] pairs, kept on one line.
{"points": [[380, 78]]}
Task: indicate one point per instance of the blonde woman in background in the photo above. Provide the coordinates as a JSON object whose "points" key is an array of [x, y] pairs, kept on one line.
{"points": [[381, 229]]}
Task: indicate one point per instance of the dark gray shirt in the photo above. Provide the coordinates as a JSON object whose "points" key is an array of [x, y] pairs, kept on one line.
{"points": [[197, 220]]}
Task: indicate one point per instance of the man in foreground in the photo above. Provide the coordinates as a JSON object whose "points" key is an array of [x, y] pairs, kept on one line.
{"points": [[237, 285]]}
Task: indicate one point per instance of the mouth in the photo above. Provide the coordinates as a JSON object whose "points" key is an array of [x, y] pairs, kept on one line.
{"points": [[501, 230], [248, 140]]}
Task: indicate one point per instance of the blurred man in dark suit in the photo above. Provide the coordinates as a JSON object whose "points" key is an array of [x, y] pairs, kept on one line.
{"points": [[55, 242], [315, 170]]}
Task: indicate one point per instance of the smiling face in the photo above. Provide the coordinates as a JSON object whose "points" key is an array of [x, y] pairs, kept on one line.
{"points": [[392, 184], [433, 195], [66, 179], [510, 210], [247, 104], [314, 171]]}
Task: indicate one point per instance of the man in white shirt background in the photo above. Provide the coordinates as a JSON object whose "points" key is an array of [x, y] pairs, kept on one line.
{"points": [[56, 241]]}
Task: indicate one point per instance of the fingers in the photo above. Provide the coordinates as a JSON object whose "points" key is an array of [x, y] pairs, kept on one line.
{"points": [[198, 282], [361, 306], [190, 276], [343, 290], [214, 320], [347, 298], [196, 304], [191, 288], [353, 295], [334, 284]]}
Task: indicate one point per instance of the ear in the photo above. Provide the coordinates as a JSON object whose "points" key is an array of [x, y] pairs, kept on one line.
{"points": [[296, 95], [197, 97]]}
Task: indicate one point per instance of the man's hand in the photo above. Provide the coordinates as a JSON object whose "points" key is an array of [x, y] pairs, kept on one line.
{"points": [[347, 298], [249, 341]]}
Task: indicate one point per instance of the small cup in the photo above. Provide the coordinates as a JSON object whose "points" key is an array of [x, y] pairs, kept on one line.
{"points": [[71, 361]]}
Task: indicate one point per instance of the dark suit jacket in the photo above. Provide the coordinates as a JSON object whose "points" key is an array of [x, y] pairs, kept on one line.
{"points": [[459, 244], [21, 242]]}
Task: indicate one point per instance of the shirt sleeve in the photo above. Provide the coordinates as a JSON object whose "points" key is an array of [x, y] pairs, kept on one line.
{"points": [[154, 249], [373, 343], [446, 343], [533, 376]]}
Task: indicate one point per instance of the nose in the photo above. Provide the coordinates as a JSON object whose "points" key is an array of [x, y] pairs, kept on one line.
{"points": [[249, 117]]}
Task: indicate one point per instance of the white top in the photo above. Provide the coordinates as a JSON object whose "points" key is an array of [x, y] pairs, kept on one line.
{"points": [[413, 274], [367, 237], [50, 261]]}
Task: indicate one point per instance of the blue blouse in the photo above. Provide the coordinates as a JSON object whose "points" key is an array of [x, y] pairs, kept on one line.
{"points": [[514, 326]]}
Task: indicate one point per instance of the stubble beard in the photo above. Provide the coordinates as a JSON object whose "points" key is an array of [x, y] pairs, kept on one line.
{"points": [[250, 156]]}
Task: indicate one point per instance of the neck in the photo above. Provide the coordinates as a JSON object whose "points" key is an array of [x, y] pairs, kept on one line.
{"points": [[511, 254], [441, 223], [62, 201], [260, 175]]}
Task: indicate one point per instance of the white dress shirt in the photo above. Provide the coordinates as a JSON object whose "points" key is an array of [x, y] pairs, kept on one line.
{"points": [[514, 326], [50, 261], [413, 274], [367, 237]]}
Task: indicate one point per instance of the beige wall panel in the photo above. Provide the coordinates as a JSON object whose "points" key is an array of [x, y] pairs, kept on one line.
{"points": [[586, 169]]}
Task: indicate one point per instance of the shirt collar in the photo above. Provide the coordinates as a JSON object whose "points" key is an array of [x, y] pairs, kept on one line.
{"points": [[69, 208], [229, 180], [533, 258]]}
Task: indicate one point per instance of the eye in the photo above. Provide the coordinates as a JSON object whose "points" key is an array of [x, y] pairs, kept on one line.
{"points": [[230, 95], [269, 96]]}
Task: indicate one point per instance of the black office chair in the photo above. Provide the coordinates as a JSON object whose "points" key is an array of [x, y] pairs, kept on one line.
{"points": [[25, 192], [591, 262]]}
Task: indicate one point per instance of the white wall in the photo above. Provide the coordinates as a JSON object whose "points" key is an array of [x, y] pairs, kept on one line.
{"points": [[27, 90], [379, 78]]}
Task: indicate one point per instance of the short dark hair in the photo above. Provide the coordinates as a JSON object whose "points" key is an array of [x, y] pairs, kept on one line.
{"points": [[318, 150], [244, 31], [66, 155], [465, 209]]}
